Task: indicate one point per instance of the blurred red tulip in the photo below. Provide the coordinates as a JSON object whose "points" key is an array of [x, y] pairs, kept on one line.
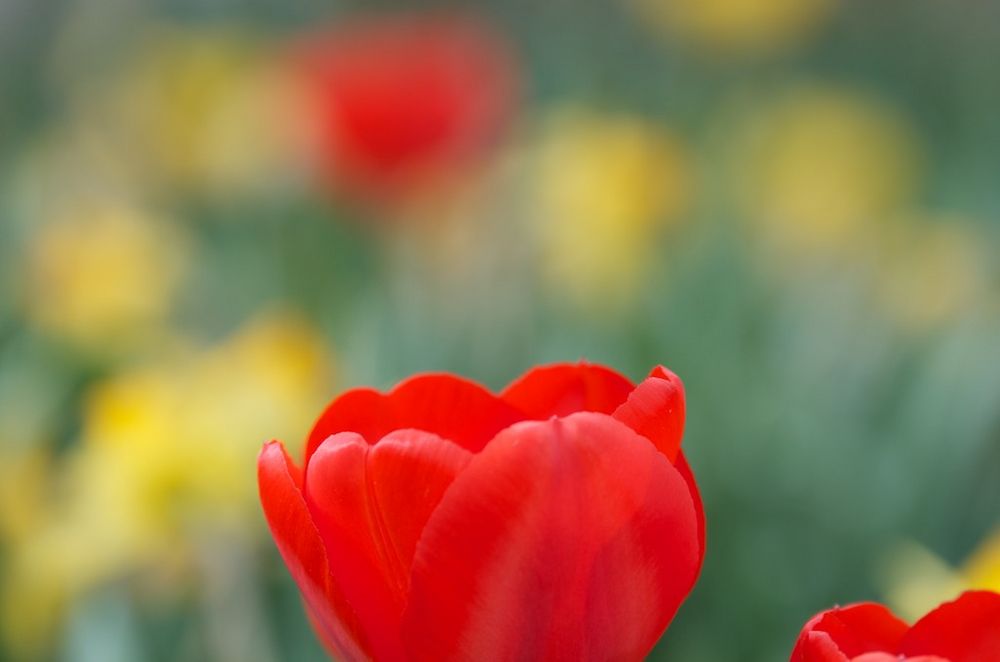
{"points": [[405, 103], [966, 630], [557, 520]]}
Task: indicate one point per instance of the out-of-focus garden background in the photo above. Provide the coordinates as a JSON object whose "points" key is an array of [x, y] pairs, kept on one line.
{"points": [[216, 215]]}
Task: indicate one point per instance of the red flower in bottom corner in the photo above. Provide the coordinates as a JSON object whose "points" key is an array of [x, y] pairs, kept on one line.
{"points": [[557, 520], [966, 630]]}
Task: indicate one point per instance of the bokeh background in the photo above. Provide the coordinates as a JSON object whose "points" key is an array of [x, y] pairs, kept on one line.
{"points": [[216, 214]]}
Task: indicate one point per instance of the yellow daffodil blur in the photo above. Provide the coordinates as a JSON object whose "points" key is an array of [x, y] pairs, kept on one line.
{"points": [[23, 474], [982, 569], [206, 109], [915, 579], [737, 26], [822, 168], [102, 274], [607, 186], [931, 271], [165, 460]]}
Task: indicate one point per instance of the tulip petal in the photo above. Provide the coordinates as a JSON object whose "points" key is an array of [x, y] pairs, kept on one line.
{"points": [[655, 409], [361, 410], [818, 647], [855, 630], [370, 504], [568, 539], [886, 657], [300, 545], [685, 471], [565, 388], [965, 630], [331, 647], [410, 471], [457, 409]]}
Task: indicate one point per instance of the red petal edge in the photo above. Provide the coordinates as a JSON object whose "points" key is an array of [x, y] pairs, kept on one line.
{"points": [[370, 504], [855, 630], [298, 540], [655, 409], [965, 630], [819, 647], [451, 407], [565, 388], [684, 469]]}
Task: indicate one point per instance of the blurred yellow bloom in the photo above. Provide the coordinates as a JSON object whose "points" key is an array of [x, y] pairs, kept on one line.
{"points": [[821, 167], [23, 489], [166, 462], [101, 274], [204, 109], [982, 569], [915, 580], [914, 577], [38, 577], [931, 271], [737, 25], [32, 588], [183, 431], [606, 187]]}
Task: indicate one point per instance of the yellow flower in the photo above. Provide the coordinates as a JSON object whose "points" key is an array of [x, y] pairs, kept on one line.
{"points": [[23, 489], [606, 188], [102, 274], [185, 429], [38, 576], [820, 168], [930, 271], [982, 569], [204, 109], [165, 465], [728, 26], [29, 403], [916, 580]]}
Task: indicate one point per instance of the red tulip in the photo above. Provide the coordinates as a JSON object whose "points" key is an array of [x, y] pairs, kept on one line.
{"points": [[557, 520], [966, 630], [407, 102]]}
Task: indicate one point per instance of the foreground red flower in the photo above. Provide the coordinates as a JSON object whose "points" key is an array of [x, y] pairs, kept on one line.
{"points": [[557, 520], [403, 103], [966, 630]]}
